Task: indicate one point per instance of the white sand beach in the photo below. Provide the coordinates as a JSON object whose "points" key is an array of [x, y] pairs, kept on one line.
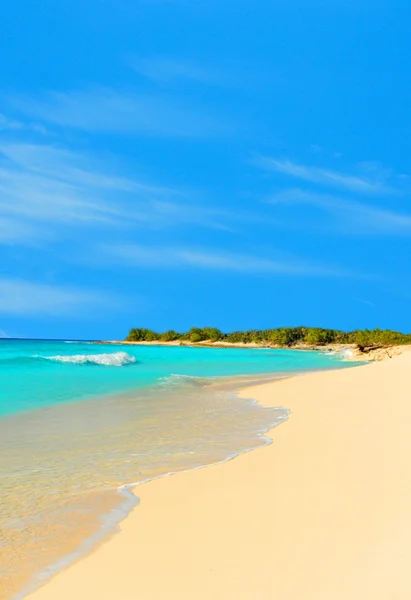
{"points": [[323, 513]]}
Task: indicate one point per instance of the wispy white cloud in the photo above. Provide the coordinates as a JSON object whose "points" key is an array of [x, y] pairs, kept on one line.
{"points": [[27, 298], [166, 70], [7, 124], [129, 113], [350, 215], [3, 334], [187, 257], [14, 230], [75, 168], [373, 184], [365, 301], [43, 185]]}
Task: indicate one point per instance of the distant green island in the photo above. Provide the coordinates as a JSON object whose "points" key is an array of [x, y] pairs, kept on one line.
{"points": [[283, 336]]}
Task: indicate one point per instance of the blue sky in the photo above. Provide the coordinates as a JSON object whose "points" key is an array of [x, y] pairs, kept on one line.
{"points": [[170, 163]]}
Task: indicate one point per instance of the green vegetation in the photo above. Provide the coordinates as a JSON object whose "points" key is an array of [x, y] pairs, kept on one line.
{"points": [[168, 336], [284, 336], [196, 335], [142, 335]]}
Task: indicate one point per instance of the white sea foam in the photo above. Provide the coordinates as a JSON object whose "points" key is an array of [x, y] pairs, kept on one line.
{"points": [[345, 354], [116, 359], [178, 379]]}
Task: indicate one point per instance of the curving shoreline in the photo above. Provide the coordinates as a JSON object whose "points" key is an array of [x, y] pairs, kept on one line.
{"points": [[353, 353], [322, 513]]}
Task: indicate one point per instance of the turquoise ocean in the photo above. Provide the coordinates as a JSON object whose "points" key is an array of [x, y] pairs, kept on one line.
{"points": [[81, 424]]}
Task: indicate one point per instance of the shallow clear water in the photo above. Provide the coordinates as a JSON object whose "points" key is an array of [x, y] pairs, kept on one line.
{"points": [[43, 373], [80, 421]]}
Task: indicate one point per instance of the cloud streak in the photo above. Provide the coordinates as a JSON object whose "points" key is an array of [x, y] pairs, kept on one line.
{"points": [[326, 177], [161, 257], [350, 215], [7, 124], [127, 113], [167, 70], [43, 185], [14, 230], [26, 298]]}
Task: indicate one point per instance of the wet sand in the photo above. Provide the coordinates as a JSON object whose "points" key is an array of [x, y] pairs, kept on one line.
{"points": [[324, 513], [62, 467]]}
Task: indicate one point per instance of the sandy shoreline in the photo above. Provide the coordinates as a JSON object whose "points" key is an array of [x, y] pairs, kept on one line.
{"points": [[351, 352], [322, 513]]}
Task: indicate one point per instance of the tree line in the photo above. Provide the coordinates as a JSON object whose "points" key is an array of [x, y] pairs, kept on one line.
{"points": [[283, 336]]}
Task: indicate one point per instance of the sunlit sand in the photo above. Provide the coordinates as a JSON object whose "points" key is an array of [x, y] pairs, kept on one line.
{"points": [[321, 514]]}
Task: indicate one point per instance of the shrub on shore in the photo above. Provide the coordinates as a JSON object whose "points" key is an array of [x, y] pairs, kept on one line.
{"points": [[284, 336], [196, 335], [142, 335], [212, 334], [170, 336], [318, 337]]}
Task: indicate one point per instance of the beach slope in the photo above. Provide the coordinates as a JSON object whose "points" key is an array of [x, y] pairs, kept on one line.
{"points": [[323, 513]]}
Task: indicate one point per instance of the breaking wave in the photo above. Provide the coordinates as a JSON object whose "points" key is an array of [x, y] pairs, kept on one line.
{"points": [[116, 359]]}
